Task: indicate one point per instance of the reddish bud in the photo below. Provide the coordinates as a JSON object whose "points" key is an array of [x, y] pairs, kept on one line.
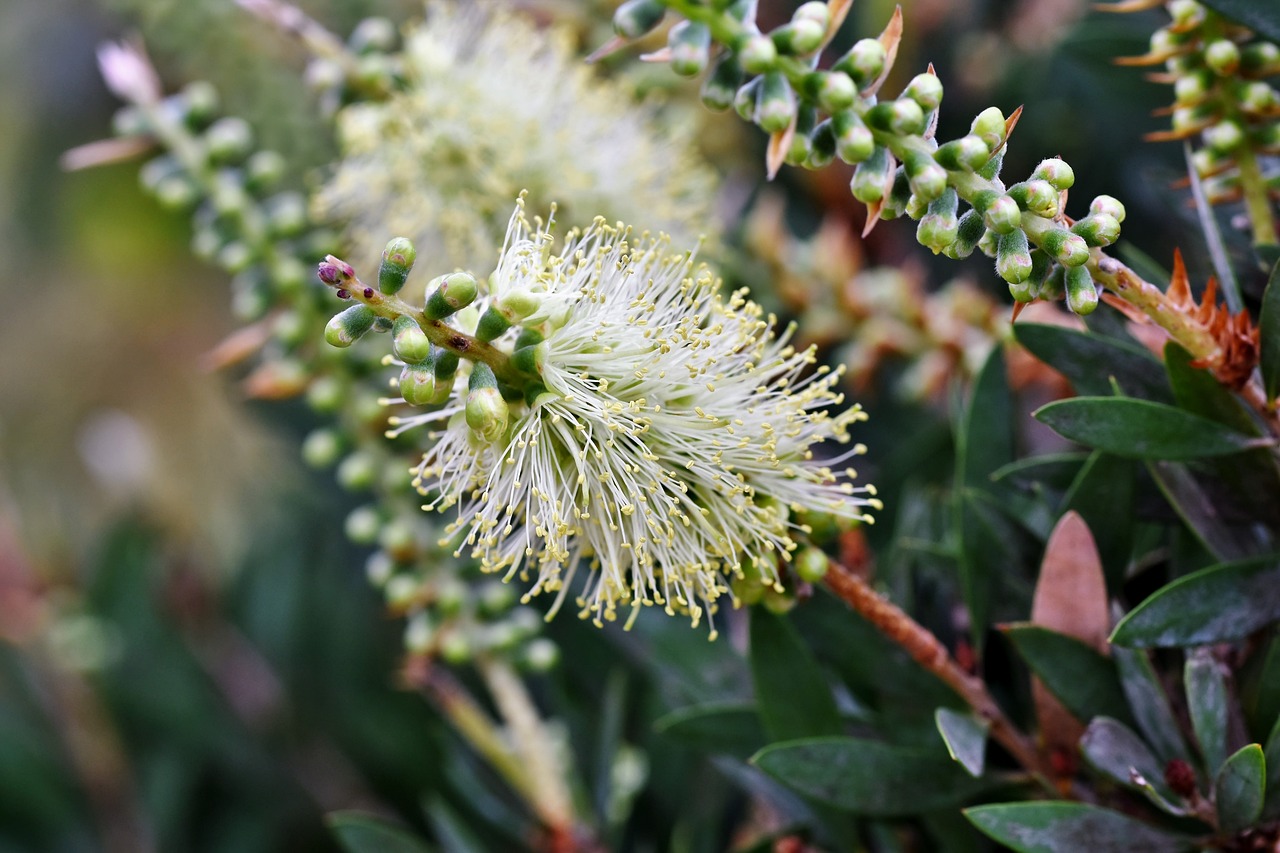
{"points": [[1179, 776]]}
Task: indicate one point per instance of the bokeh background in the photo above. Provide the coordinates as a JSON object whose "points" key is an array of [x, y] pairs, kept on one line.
{"points": [[191, 657]]}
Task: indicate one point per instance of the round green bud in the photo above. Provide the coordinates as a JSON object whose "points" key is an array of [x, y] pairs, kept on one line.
{"points": [[419, 634], [455, 648], [1108, 205], [968, 153], [519, 303], [531, 359], [822, 145], [775, 103], [989, 126], [834, 91], [1224, 137], [228, 140], [811, 565], [939, 227], [902, 117], [418, 384], [1186, 14], [397, 261], [815, 11], [349, 326], [722, 84], [969, 231], [1013, 257], [448, 294], [324, 394], [286, 214], [1057, 172], [854, 140], [200, 102], [264, 170], [757, 54], [1190, 89], [357, 472], [1257, 98], [495, 598], [690, 44], [634, 18], [362, 525], [871, 178], [492, 325], [373, 35], [798, 38], [1066, 248], [379, 568], [177, 193], [1082, 296], [778, 602], [1003, 215], [402, 591], [926, 90], [321, 447], [487, 413], [989, 243], [1259, 58], [864, 62], [744, 100], [1036, 196], [410, 343], [1098, 229], [399, 538], [540, 655], [928, 179]]}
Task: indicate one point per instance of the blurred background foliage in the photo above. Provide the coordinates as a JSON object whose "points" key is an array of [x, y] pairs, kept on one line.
{"points": [[192, 658]]}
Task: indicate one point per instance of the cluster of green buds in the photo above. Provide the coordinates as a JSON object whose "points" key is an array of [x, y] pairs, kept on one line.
{"points": [[1218, 70], [816, 115], [248, 222]]}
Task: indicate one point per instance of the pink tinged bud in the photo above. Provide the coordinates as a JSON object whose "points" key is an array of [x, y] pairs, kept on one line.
{"points": [[418, 384], [928, 179], [128, 73], [349, 326], [968, 153], [1066, 248], [835, 91], [989, 127], [854, 141], [690, 44], [486, 412], [1013, 258], [925, 90], [1109, 205], [1098, 229], [758, 54], [1003, 215], [864, 62], [1057, 172], [775, 103], [1082, 296], [1036, 196]]}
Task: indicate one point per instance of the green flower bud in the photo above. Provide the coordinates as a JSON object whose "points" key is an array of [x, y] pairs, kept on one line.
{"points": [[833, 90], [1261, 58], [486, 412], [1257, 98], [1223, 137], [399, 538], [854, 141], [744, 101], [871, 178], [634, 18], [418, 384], [419, 634], [1057, 172], [492, 325], [1107, 204], [900, 199], [321, 447], [455, 648], [446, 366], [325, 394], [1013, 260], [286, 214], [798, 153], [410, 343], [1186, 14], [362, 525], [379, 568], [530, 359], [402, 591], [519, 303], [758, 54], [448, 294], [177, 193], [969, 231], [928, 179], [902, 117], [799, 37], [496, 598], [1098, 229], [1082, 296], [722, 84], [1003, 215], [349, 326], [228, 140], [815, 11], [264, 170], [1064, 247], [373, 35], [540, 655], [926, 90], [1040, 266], [690, 44], [863, 63], [397, 261], [811, 565], [775, 103], [357, 472], [235, 257], [939, 227], [989, 243], [989, 126], [991, 169], [1036, 196], [822, 145], [968, 153], [200, 102], [1191, 89], [1054, 285]]}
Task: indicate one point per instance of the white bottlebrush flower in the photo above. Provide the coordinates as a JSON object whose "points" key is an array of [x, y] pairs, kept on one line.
{"points": [[676, 437], [493, 104]]}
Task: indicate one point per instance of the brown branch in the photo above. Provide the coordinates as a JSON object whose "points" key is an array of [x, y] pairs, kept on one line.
{"points": [[926, 650]]}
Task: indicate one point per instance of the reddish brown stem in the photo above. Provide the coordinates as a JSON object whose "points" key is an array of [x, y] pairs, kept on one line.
{"points": [[926, 650]]}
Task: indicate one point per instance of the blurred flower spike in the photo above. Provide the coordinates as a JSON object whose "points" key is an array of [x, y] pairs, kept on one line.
{"points": [[667, 442]]}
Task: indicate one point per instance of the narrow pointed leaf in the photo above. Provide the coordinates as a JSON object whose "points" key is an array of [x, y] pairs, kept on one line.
{"points": [[1103, 494], [716, 728], [1140, 429], [1206, 684], [792, 693], [966, 738], [1197, 391], [364, 833], [1271, 803], [1060, 827], [1086, 682], [1149, 704], [1218, 604], [1269, 329], [1116, 751], [1258, 684], [1239, 790], [1203, 501], [869, 777], [1090, 360]]}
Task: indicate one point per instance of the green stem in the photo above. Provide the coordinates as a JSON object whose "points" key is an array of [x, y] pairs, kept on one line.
{"points": [[1257, 199]]}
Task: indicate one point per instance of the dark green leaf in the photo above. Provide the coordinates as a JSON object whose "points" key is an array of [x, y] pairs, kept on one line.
{"points": [[1083, 680], [1114, 750], [1058, 827], [1198, 392], [1140, 429], [1271, 806], [1149, 704], [1206, 684], [1103, 494], [731, 729], [1259, 686], [966, 738], [1269, 329], [1217, 604], [1239, 789], [1262, 18], [986, 439], [1266, 254], [792, 693], [1090, 361], [1231, 523], [988, 555], [364, 833], [869, 777], [1054, 470]]}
